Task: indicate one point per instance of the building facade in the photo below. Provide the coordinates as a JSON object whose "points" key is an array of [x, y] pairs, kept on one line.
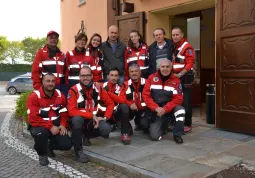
{"points": [[224, 42]]}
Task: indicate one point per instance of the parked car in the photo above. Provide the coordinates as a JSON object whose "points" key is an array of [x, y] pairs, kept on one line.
{"points": [[19, 84]]}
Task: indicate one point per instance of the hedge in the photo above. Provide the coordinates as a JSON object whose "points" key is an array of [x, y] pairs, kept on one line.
{"points": [[15, 68], [21, 110]]}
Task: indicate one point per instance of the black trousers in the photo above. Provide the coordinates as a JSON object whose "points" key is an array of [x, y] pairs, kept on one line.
{"points": [[158, 125], [81, 126], [57, 142], [187, 81], [122, 115], [137, 116]]}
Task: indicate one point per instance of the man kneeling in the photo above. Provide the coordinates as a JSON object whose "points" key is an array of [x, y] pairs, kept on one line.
{"points": [[47, 115], [163, 96], [84, 100]]}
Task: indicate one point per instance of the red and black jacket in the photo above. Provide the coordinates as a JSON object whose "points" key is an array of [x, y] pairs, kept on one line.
{"points": [[44, 111], [96, 64], [75, 60], [43, 64], [86, 102], [158, 94], [139, 56], [134, 93], [116, 93], [183, 56]]}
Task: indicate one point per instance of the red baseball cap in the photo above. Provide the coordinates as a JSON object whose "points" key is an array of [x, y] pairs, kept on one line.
{"points": [[52, 32]]}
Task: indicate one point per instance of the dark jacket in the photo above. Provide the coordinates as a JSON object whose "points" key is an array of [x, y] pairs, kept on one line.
{"points": [[152, 54], [113, 59]]}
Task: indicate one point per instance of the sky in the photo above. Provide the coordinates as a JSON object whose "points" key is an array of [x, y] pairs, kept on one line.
{"points": [[23, 18]]}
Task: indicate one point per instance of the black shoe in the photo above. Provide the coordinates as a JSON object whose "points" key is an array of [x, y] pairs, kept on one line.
{"points": [[43, 160], [138, 128], [51, 154], [86, 142], [81, 157], [178, 139]]}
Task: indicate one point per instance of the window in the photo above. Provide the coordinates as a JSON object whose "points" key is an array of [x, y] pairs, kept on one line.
{"points": [[81, 2], [27, 80], [19, 80]]}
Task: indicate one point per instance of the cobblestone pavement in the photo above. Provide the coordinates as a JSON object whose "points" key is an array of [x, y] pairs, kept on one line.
{"points": [[19, 160]]}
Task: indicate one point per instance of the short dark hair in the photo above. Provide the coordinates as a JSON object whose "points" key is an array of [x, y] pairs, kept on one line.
{"points": [[177, 28], [114, 69], [85, 67], [47, 74], [164, 32], [80, 36], [130, 43]]}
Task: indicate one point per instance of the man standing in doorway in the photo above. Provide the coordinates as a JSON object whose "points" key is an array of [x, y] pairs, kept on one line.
{"points": [[113, 51], [183, 62], [159, 49]]}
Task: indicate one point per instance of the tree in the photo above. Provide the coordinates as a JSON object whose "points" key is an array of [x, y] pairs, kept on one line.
{"points": [[14, 50], [4, 43], [31, 46]]}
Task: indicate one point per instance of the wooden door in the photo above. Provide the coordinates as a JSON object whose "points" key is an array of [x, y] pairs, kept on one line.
{"points": [[126, 23], [235, 65]]}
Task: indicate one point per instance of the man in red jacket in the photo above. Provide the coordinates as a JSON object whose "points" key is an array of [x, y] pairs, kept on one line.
{"points": [[47, 115], [84, 101], [162, 94], [183, 62], [134, 87], [49, 59], [121, 110]]}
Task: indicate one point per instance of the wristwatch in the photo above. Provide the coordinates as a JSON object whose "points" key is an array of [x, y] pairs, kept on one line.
{"points": [[105, 118], [179, 75]]}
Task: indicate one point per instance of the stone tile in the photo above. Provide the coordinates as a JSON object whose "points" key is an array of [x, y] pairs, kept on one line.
{"points": [[243, 151], [177, 151], [123, 153], [216, 133], [192, 170], [251, 143], [210, 144], [151, 161], [198, 129], [166, 164], [218, 160]]}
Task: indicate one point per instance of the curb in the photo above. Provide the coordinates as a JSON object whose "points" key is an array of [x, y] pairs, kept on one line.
{"points": [[127, 169], [118, 166]]}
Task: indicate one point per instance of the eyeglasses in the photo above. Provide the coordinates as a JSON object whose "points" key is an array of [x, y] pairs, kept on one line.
{"points": [[86, 75]]}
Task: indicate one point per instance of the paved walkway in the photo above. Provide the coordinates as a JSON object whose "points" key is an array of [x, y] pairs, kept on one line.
{"points": [[19, 160], [204, 152]]}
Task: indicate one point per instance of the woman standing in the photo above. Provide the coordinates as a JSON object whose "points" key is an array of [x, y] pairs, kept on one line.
{"points": [[76, 59], [95, 49], [136, 52]]}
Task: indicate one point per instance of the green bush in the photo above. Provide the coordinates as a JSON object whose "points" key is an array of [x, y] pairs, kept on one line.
{"points": [[15, 68], [21, 110]]}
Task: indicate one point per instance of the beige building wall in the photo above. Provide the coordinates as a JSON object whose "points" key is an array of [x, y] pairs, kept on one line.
{"points": [[93, 13], [98, 15], [159, 13]]}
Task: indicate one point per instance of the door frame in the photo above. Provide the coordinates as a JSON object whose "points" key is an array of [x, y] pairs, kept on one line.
{"points": [[139, 15]]}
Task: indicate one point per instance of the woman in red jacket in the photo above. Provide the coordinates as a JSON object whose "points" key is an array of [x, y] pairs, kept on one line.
{"points": [[76, 59], [95, 49], [136, 52]]}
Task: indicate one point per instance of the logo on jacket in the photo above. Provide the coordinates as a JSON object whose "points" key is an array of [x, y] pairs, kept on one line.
{"points": [[155, 79], [190, 52]]}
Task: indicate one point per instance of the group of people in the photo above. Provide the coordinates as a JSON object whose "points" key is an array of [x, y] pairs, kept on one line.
{"points": [[93, 87]]}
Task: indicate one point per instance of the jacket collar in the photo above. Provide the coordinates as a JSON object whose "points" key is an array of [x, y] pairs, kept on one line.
{"points": [[177, 45]]}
